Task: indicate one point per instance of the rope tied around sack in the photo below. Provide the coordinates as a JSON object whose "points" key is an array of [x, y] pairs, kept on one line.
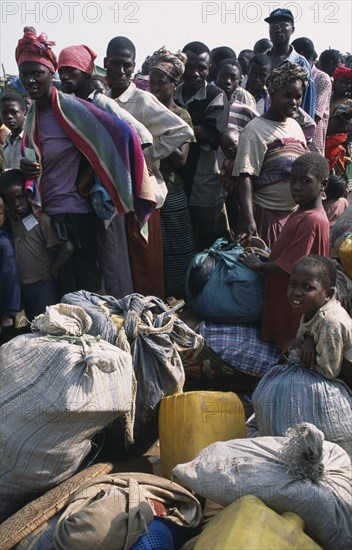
{"points": [[90, 356], [140, 320]]}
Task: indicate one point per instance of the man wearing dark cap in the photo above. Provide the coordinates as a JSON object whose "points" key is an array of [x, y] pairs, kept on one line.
{"points": [[323, 89], [281, 28]]}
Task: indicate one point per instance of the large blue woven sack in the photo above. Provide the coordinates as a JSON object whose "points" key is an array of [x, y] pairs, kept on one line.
{"points": [[230, 291], [290, 394]]}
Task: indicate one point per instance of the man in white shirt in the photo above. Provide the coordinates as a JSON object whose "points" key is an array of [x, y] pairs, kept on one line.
{"points": [[169, 132]]}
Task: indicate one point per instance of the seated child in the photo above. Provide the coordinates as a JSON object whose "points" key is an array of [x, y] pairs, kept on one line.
{"points": [[324, 336], [335, 203], [39, 253], [13, 113], [305, 232], [9, 278]]}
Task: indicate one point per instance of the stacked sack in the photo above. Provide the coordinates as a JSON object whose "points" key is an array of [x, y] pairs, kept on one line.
{"points": [[59, 387], [299, 473]]}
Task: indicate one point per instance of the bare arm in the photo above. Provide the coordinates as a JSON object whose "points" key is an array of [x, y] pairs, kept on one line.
{"points": [[178, 158], [65, 252], [248, 226], [251, 260], [201, 136]]}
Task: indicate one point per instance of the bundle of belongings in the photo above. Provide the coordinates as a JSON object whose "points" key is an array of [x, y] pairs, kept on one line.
{"points": [[112, 513], [291, 393], [59, 387], [228, 297], [75, 376], [221, 289], [153, 334], [299, 473], [106, 511]]}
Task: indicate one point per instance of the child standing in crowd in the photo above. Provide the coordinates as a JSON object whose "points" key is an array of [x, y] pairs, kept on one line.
{"points": [[228, 144], [39, 253], [258, 72], [13, 113], [9, 279], [324, 337], [335, 203], [305, 232]]}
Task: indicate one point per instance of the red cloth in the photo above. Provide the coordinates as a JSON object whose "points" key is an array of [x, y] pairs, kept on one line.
{"points": [[79, 57], [36, 48], [305, 232], [270, 223], [146, 262], [342, 72], [335, 152]]}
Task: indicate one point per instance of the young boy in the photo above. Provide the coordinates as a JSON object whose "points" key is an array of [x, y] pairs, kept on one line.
{"points": [[39, 253], [305, 232], [13, 113], [335, 203], [9, 278], [324, 336], [258, 72], [228, 144]]}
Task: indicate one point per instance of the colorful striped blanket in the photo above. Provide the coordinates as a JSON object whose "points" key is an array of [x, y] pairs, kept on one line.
{"points": [[111, 147], [278, 161]]}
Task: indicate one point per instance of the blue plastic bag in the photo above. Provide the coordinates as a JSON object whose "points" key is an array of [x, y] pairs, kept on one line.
{"points": [[232, 293]]}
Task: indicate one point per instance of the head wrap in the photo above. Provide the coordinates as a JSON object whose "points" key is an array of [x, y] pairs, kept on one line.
{"points": [[342, 72], [79, 57], [171, 64], [285, 74], [36, 48]]}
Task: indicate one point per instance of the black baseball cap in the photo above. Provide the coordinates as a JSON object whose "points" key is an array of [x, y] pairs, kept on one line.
{"points": [[280, 13]]}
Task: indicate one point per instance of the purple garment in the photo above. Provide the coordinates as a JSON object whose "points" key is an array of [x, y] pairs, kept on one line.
{"points": [[60, 160]]}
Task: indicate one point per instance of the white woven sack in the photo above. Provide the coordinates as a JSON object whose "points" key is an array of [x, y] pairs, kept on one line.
{"points": [[56, 394], [300, 473]]}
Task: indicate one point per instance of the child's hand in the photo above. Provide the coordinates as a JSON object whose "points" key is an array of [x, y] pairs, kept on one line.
{"points": [[308, 353], [30, 169], [250, 259]]}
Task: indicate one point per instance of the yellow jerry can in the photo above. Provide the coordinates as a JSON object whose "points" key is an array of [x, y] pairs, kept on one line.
{"points": [[189, 422], [248, 523], [345, 253]]}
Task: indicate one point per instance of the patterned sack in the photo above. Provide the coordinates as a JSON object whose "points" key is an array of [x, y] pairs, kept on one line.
{"points": [[299, 473], [56, 393], [241, 347], [221, 289], [287, 395]]}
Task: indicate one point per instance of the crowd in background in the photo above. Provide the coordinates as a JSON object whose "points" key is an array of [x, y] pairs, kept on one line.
{"points": [[112, 184]]}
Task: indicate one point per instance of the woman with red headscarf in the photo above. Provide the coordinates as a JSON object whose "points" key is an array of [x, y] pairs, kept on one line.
{"points": [[69, 144], [337, 142]]}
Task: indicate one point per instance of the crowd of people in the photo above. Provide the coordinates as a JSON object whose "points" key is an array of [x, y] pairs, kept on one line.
{"points": [[112, 184]]}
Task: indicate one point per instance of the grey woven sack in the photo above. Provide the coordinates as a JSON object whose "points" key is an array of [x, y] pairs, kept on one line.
{"points": [[299, 473], [57, 391], [289, 394]]}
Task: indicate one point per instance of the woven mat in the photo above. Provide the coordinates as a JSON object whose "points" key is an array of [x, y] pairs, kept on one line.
{"points": [[33, 515]]}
